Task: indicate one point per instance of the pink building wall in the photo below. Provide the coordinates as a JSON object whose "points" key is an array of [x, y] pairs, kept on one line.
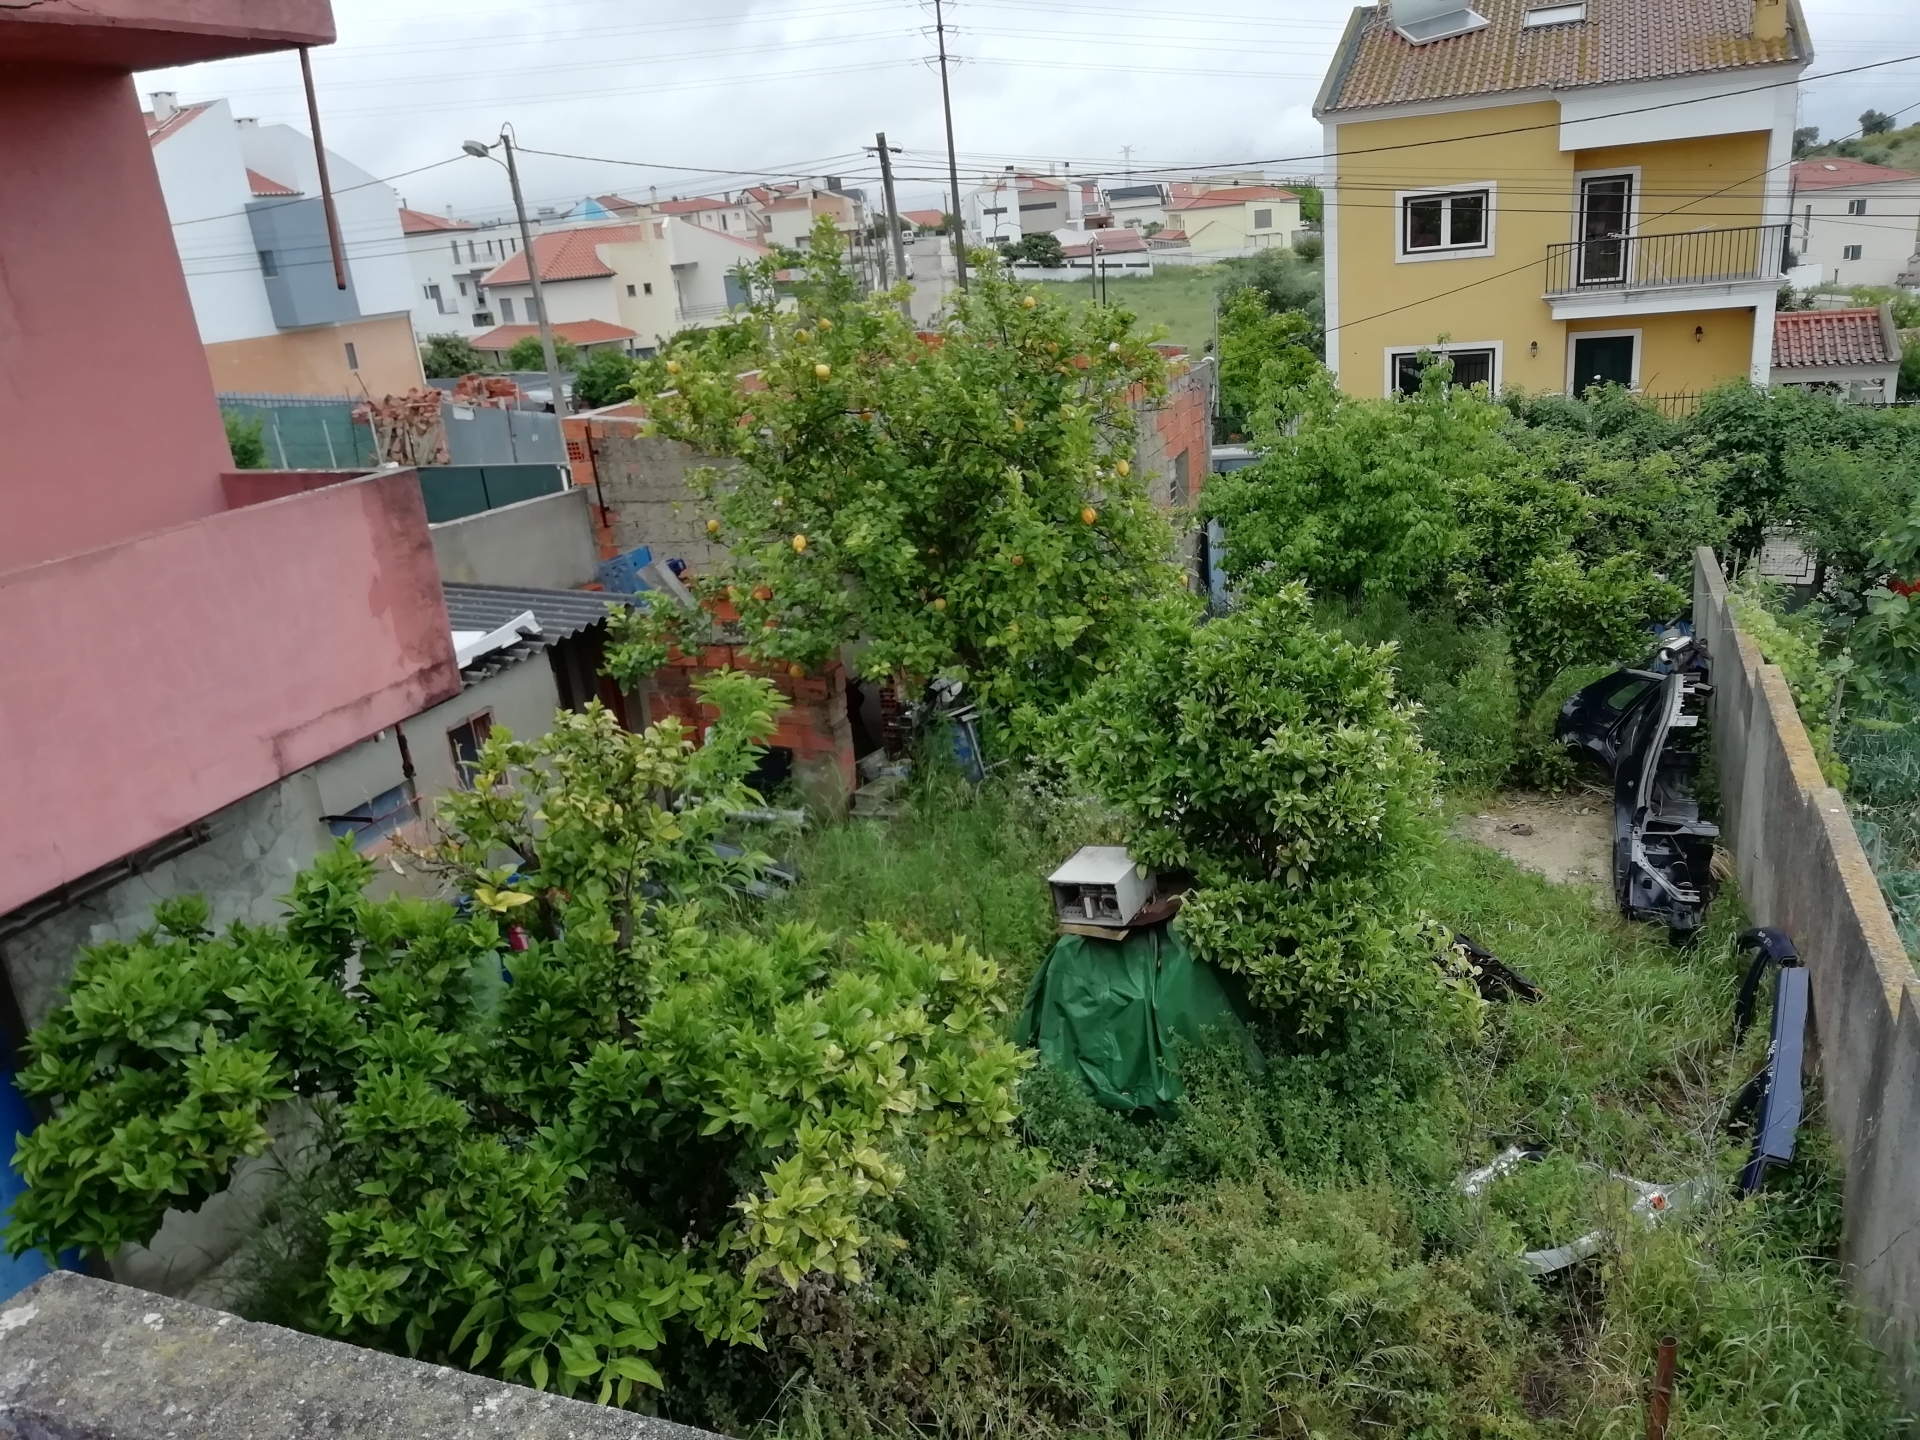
{"points": [[106, 406], [148, 683]]}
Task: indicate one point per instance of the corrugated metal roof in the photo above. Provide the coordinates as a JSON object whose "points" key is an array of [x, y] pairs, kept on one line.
{"points": [[1808, 338], [1618, 41], [561, 613]]}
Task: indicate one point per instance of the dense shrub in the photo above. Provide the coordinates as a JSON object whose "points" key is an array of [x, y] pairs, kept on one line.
{"points": [[1272, 759]]}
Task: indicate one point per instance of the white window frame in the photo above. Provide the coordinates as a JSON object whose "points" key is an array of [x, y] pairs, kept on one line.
{"points": [[1850, 253], [1403, 256], [1390, 387], [1857, 206], [1639, 352]]}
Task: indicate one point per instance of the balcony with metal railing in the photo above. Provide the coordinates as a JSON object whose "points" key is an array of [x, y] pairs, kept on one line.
{"points": [[1624, 272]]}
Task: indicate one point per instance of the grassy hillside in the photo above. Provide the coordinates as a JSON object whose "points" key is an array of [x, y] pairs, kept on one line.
{"points": [[1898, 148]]}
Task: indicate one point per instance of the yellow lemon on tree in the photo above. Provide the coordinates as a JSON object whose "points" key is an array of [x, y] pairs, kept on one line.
{"points": [[803, 336], [1019, 560], [825, 324], [797, 670], [799, 544], [1089, 515], [822, 370], [1019, 425], [1124, 467], [1028, 303], [673, 367], [713, 527], [940, 602]]}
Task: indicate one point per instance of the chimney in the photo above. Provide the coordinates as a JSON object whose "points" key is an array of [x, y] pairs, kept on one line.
{"points": [[1769, 19], [166, 105], [246, 122]]}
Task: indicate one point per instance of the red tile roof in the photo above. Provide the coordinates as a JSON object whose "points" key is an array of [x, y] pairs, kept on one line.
{"points": [[419, 222], [692, 207], [1112, 242], [1618, 41], [1232, 195], [158, 130], [1806, 338], [929, 218], [261, 185], [619, 204], [575, 332], [1834, 171], [567, 254]]}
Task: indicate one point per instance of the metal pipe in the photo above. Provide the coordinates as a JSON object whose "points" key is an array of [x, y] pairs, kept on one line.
{"points": [[1661, 1400], [326, 185]]}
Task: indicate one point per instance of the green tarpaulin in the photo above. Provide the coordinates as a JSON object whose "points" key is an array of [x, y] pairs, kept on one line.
{"points": [[1111, 1013]]}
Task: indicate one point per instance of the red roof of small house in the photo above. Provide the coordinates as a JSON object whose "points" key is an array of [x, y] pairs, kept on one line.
{"points": [[1111, 242], [1168, 235], [694, 206], [1231, 195], [1803, 339], [574, 332], [617, 203], [1834, 172], [262, 186], [419, 222], [567, 255], [928, 218], [158, 130]]}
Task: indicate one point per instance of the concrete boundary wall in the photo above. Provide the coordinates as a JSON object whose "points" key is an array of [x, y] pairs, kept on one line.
{"points": [[1802, 869]]}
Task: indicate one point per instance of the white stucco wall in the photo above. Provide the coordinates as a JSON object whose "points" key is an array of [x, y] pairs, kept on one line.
{"points": [[1886, 234], [204, 181]]}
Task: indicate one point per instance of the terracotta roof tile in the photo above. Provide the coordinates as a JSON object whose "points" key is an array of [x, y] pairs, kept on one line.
{"points": [[1112, 242], [262, 186], [1618, 41], [1833, 172], [567, 254], [420, 222], [158, 130], [575, 332], [1805, 338], [928, 218], [1232, 195], [692, 207]]}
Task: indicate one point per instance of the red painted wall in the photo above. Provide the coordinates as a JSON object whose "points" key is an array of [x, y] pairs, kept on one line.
{"points": [[149, 683], [149, 34], [108, 425]]}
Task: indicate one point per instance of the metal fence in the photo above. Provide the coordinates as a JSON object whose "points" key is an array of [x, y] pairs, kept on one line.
{"points": [[307, 432], [1652, 262], [453, 492]]}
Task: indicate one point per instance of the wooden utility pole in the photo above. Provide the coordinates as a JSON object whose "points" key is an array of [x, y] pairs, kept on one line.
{"points": [[953, 161], [899, 245]]}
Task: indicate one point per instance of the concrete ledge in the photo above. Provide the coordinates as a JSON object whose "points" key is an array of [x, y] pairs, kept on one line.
{"points": [[82, 1359], [545, 543]]}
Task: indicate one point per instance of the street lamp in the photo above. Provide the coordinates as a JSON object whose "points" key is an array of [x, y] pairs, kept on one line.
{"points": [[485, 152]]}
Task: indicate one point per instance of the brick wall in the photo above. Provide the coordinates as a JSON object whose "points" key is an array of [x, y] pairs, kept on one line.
{"points": [[815, 727], [641, 490], [1174, 445]]}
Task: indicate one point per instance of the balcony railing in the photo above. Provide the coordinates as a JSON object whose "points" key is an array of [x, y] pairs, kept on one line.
{"points": [[1666, 262]]}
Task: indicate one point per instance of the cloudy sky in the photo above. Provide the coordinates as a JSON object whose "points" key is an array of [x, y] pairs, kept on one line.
{"points": [[689, 98]]}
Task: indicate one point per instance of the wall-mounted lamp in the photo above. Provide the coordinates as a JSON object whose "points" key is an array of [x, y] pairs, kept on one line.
{"points": [[1534, 350], [1699, 333]]}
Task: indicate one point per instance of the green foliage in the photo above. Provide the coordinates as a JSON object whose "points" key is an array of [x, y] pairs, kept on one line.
{"points": [[1312, 203], [1542, 761], [1291, 282], [570, 1165], [448, 357], [246, 440], [1261, 354], [1563, 614], [527, 354], [1875, 122], [1358, 497], [605, 377], [1039, 248], [960, 504], [1271, 759]]}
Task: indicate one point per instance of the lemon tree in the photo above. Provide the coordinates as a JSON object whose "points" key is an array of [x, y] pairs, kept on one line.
{"points": [[957, 501]]}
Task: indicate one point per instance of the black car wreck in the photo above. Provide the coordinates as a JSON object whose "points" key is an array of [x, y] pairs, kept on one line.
{"points": [[1641, 725]]}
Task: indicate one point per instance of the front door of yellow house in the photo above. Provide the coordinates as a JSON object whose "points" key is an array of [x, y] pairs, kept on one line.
{"points": [[1606, 212], [1602, 360]]}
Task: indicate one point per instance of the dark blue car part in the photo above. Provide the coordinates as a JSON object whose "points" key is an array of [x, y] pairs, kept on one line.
{"points": [[1773, 1095], [1496, 979]]}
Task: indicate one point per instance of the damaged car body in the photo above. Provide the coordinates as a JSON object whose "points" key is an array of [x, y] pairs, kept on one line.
{"points": [[1641, 724]]}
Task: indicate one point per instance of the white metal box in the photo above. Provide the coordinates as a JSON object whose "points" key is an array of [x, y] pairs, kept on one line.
{"points": [[1099, 885]]}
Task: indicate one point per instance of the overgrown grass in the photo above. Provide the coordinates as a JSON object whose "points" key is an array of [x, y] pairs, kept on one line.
{"points": [[1179, 297], [1290, 1257]]}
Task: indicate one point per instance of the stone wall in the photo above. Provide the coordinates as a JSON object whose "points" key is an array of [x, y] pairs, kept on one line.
{"points": [[82, 1359], [641, 490], [1802, 869]]}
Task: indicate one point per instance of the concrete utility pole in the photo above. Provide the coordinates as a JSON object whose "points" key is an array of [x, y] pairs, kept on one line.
{"points": [[547, 353], [899, 245], [953, 162]]}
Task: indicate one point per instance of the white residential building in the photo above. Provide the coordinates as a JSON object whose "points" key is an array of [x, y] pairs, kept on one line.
{"points": [[1006, 208], [1857, 222], [449, 259], [244, 199]]}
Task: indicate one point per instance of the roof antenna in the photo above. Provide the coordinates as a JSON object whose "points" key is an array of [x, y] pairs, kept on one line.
{"points": [[326, 185]]}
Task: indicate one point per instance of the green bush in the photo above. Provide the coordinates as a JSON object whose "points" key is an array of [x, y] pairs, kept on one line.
{"points": [[246, 440], [448, 357], [1543, 761], [605, 377], [1565, 614], [1272, 759], [528, 354], [570, 1164]]}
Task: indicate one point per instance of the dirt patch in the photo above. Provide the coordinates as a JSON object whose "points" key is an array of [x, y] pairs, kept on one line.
{"points": [[1567, 838]]}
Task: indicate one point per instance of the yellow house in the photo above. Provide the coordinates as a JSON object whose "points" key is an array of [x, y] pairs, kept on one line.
{"points": [[1237, 219], [1559, 192]]}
